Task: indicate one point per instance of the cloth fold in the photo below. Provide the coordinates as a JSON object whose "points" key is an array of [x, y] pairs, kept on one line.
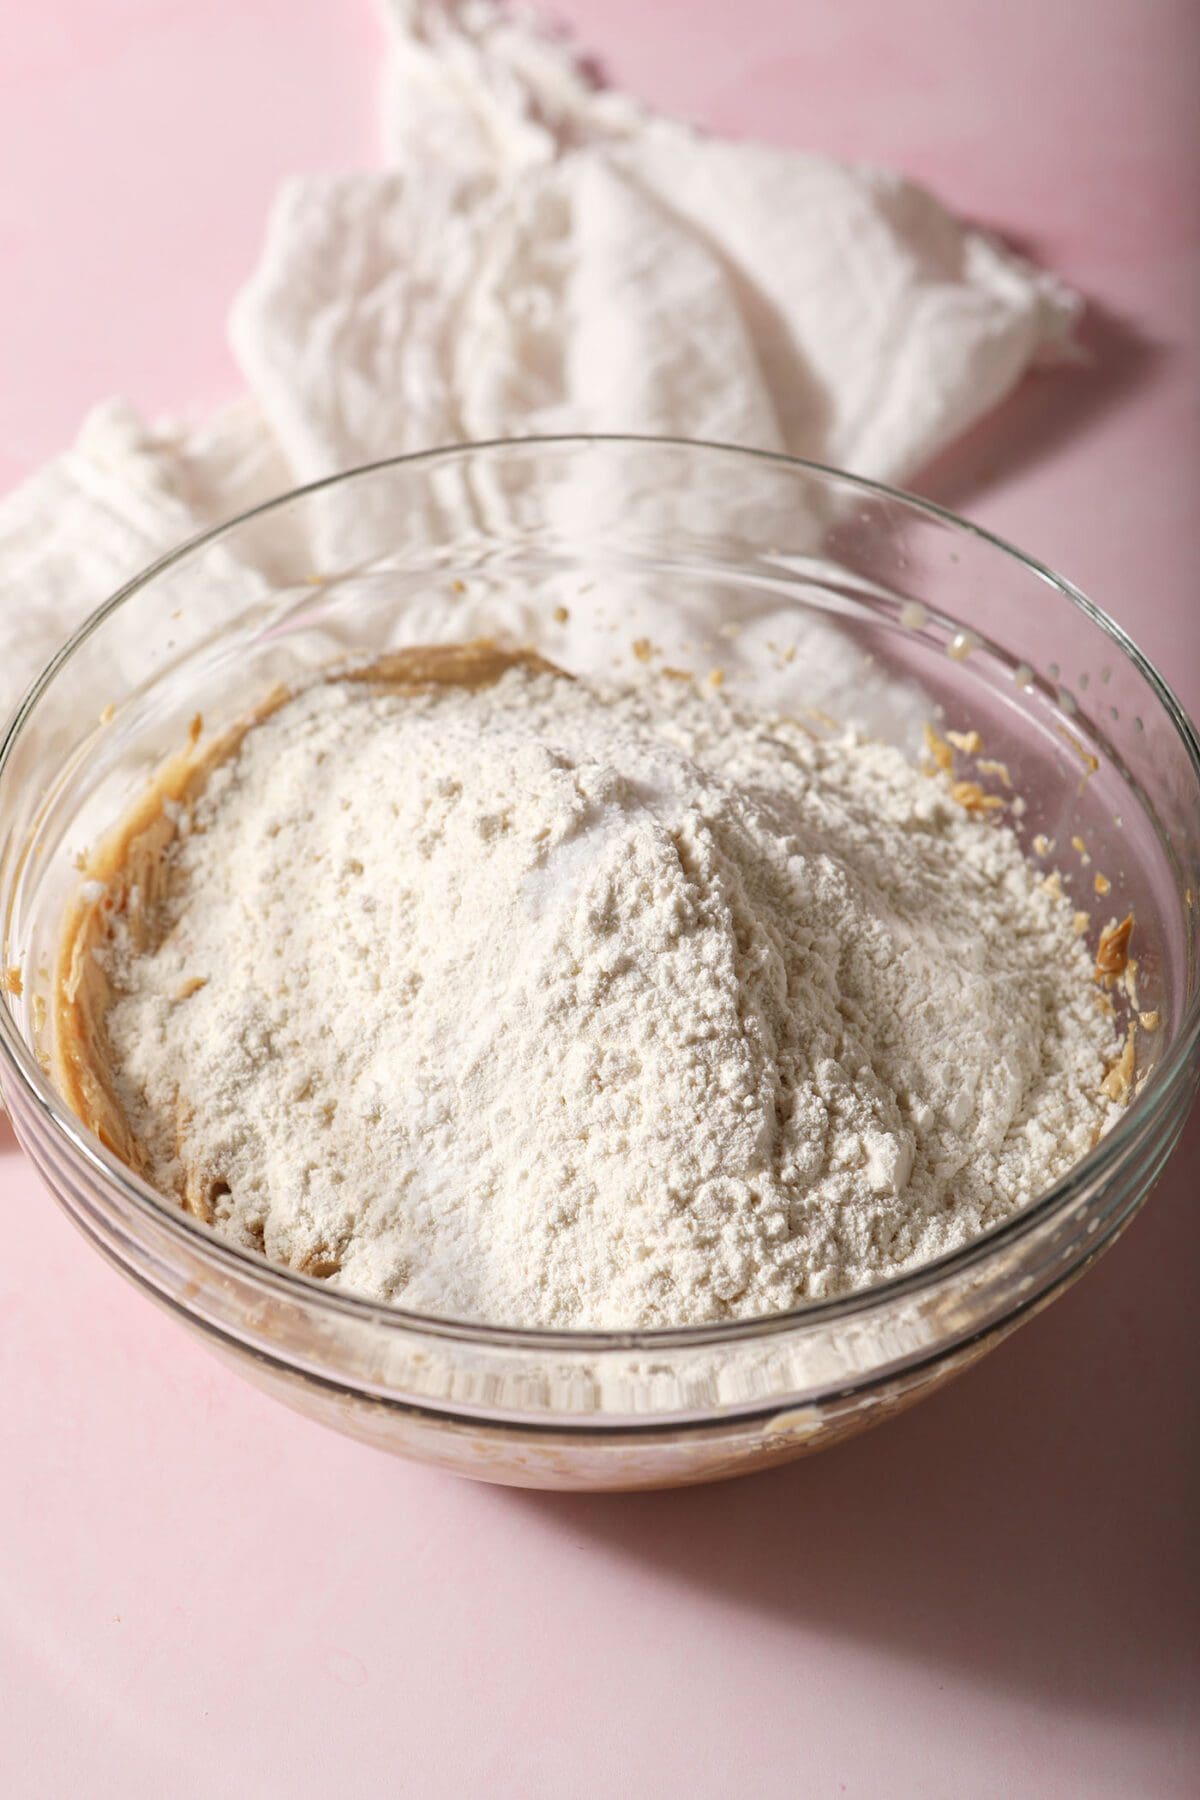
{"points": [[544, 255]]}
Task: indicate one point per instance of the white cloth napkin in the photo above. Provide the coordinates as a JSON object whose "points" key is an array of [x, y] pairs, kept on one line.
{"points": [[545, 256]]}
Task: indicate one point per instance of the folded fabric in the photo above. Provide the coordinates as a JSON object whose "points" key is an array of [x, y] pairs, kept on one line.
{"points": [[545, 256]]}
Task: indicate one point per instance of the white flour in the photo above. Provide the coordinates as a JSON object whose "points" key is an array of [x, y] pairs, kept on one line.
{"points": [[552, 1007]]}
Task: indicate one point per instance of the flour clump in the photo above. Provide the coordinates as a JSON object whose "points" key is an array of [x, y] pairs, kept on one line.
{"points": [[553, 1005]]}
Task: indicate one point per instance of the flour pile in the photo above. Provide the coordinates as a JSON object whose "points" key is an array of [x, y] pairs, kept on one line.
{"points": [[550, 1005]]}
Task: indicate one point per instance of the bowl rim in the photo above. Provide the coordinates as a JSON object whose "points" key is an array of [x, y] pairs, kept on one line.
{"points": [[1138, 1117]]}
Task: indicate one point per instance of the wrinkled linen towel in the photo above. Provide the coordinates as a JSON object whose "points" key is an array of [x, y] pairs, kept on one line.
{"points": [[544, 255]]}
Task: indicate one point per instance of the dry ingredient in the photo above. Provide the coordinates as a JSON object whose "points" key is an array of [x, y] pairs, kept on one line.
{"points": [[552, 1005]]}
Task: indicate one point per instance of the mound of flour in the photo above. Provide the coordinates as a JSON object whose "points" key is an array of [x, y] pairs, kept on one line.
{"points": [[553, 1006]]}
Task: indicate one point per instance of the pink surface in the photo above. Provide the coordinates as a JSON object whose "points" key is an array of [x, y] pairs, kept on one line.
{"points": [[997, 1594]]}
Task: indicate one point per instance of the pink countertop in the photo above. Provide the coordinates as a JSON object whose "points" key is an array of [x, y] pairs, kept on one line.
{"points": [[994, 1595]]}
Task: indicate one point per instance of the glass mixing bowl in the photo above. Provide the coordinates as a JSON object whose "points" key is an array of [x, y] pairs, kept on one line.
{"points": [[806, 589]]}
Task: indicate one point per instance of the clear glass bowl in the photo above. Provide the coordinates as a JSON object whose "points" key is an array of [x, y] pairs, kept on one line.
{"points": [[807, 589]]}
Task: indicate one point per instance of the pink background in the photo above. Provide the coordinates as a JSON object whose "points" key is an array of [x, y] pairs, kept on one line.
{"points": [[997, 1594]]}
